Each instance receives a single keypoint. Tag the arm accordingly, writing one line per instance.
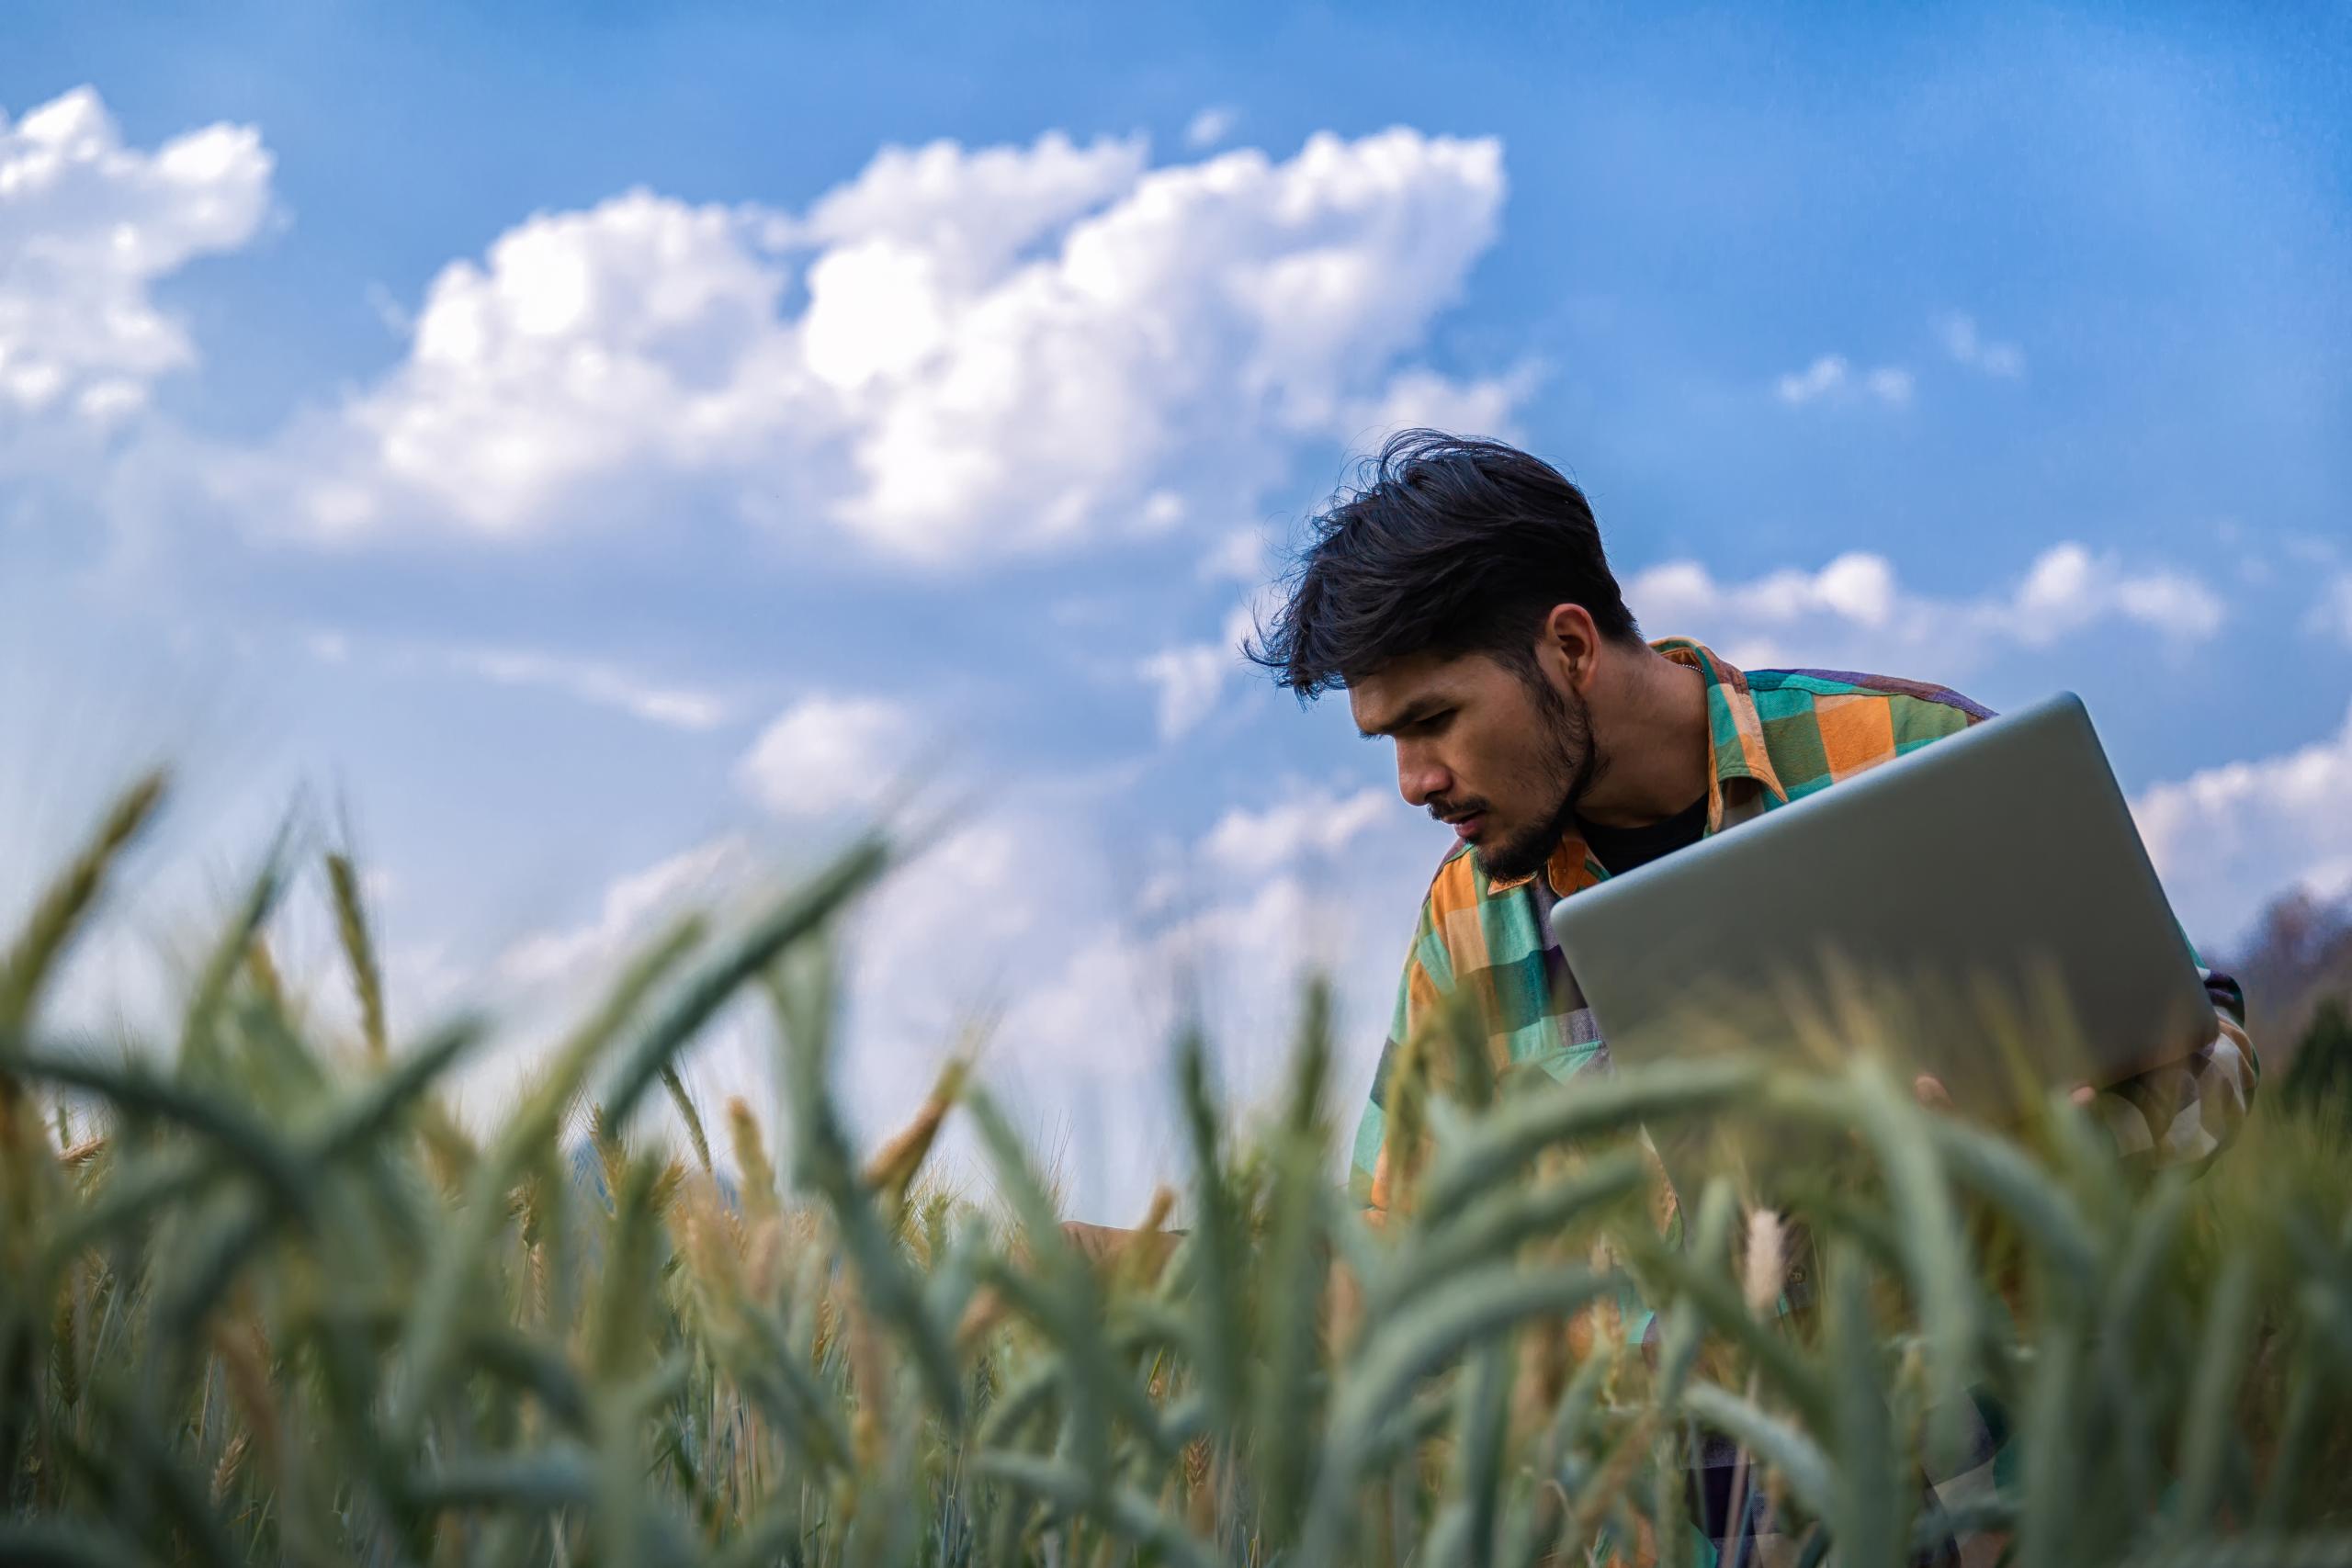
(1391, 1138)
(2186, 1111)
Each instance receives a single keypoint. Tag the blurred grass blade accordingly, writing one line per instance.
(792, 918)
(1778, 1444)
(359, 954)
(58, 911)
(1867, 1521)
(1583, 1107)
(2209, 1427)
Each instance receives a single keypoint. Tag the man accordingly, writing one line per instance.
(1463, 599)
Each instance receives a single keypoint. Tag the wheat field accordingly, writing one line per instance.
(263, 1298)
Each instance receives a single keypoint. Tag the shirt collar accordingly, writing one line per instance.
(1737, 757)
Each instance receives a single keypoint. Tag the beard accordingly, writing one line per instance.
(1565, 762)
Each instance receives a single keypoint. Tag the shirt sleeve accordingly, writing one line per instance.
(1428, 978)
(2185, 1112)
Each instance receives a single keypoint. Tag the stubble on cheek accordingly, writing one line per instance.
(1550, 780)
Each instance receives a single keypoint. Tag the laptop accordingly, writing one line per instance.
(1982, 908)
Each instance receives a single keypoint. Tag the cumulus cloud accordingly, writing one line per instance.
(827, 754)
(1421, 398)
(1967, 347)
(1833, 378)
(87, 226)
(1312, 822)
(2069, 588)
(1856, 609)
(1856, 587)
(959, 354)
(2226, 839)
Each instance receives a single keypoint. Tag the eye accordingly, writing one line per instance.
(1435, 722)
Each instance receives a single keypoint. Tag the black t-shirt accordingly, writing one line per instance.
(1620, 850)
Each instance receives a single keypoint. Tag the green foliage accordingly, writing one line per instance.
(2318, 1082)
(262, 1298)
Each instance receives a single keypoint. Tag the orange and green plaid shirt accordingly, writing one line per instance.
(1774, 736)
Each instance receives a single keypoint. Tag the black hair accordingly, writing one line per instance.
(1446, 546)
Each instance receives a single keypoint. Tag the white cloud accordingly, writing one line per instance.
(1310, 823)
(626, 916)
(1088, 956)
(1210, 126)
(585, 680)
(960, 354)
(825, 754)
(1239, 556)
(1833, 377)
(1966, 347)
(1126, 985)
(1824, 375)
(590, 680)
(968, 213)
(1855, 609)
(1190, 680)
(2312, 550)
(1420, 398)
(1858, 587)
(2227, 839)
(2332, 616)
(1889, 384)
(2069, 588)
(86, 228)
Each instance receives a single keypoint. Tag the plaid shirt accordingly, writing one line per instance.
(1773, 736)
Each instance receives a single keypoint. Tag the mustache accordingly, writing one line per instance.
(1440, 811)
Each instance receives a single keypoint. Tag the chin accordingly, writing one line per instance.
(1504, 861)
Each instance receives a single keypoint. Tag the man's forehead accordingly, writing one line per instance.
(1387, 697)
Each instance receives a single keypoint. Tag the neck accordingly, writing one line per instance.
(1652, 728)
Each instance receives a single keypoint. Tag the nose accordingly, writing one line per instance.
(1421, 776)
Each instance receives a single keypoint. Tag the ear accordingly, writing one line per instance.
(1570, 645)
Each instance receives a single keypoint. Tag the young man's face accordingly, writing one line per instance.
(1502, 756)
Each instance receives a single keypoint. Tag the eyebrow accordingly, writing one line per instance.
(1415, 711)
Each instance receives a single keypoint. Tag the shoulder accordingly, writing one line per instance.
(1461, 900)
(1455, 884)
(1819, 726)
(1917, 709)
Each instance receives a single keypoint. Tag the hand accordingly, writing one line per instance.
(1105, 1245)
(1933, 1094)
(1094, 1242)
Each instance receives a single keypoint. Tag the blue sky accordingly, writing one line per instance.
(591, 449)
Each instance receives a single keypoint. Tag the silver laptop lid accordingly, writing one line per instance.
(1992, 884)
